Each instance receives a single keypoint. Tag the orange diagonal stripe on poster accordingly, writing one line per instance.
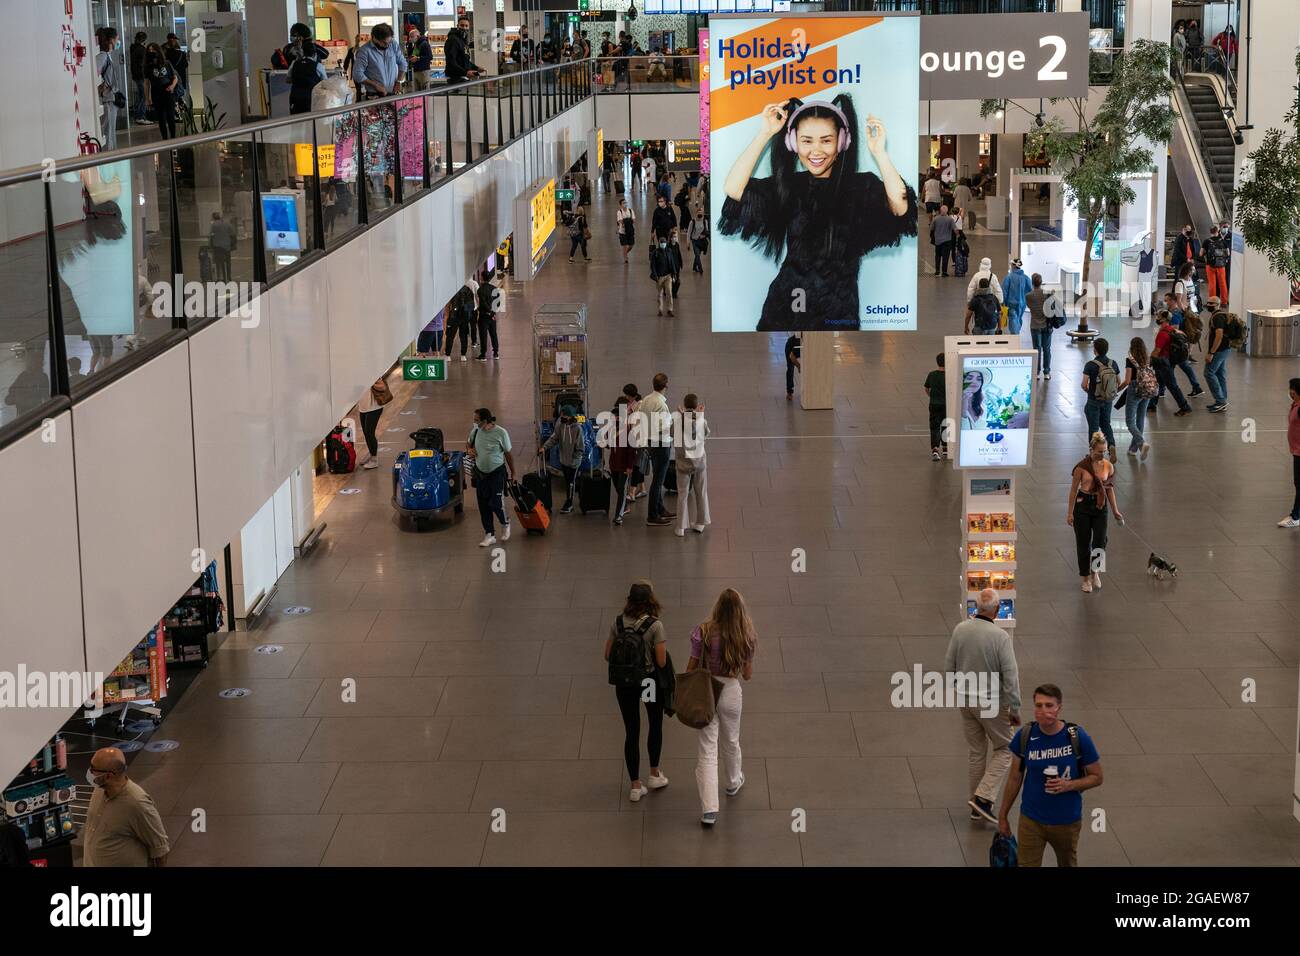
(729, 105)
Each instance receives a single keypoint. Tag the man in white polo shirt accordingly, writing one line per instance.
(659, 431)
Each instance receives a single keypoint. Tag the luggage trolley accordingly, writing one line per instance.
(560, 360)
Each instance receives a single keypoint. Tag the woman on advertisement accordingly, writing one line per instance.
(823, 219)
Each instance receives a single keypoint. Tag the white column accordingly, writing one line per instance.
(1153, 20)
(968, 154)
(267, 23)
(1270, 32)
(1011, 156)
(483, 23)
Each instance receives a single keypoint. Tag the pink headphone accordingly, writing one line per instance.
(791, 139)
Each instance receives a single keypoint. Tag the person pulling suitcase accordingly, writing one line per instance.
(569, 436)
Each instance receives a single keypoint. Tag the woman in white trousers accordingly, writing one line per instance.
(692, 489)
(725, 644)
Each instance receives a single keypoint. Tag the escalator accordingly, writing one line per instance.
(1203, 148)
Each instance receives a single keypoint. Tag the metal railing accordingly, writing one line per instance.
(112, 258)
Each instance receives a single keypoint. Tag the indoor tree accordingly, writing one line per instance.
(1267, 196)
(1096, 158)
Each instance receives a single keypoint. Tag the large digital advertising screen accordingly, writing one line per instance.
(996, 412)
(813, 122)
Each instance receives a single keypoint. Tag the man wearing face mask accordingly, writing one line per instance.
(456, 50)
(123, 827)
(662, 272)
(379, 65)
(523, 49)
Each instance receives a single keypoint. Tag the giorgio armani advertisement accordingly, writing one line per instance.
(812, 120)
(996, 393)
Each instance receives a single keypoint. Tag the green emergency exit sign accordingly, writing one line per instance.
(564, 195)
(424, 370)
(584, 4)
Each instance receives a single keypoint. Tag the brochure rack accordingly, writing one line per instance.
(989, 541)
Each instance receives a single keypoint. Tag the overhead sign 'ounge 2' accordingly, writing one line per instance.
(1004, 55)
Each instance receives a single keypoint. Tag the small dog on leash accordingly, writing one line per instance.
(1161, 568)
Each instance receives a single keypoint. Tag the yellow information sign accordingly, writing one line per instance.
(325, 154)
(543, 215)
(419, 453)
(600, 148)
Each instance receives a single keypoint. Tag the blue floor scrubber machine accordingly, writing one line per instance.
(427, 480)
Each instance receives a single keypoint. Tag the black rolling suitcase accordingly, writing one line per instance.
(593, 492)
(618, 186)
(538, 484)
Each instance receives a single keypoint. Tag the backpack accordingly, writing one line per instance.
(302, 72)
(1022, 750)
(1107, 385)
(1235, 332)
(987, 312)
(340, 455)
(1179, 349)
(627, 653)
(1216, 256)
(1145, 383)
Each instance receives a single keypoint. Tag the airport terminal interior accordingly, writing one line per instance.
(365, 686)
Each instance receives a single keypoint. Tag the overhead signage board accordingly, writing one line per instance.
(683, 155)
(1004, 56)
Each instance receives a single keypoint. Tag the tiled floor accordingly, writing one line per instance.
(483, 730)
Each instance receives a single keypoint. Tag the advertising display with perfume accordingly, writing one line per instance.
(996, 413)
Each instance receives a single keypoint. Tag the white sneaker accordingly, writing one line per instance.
(505, 531)
(464, 358)
(488, 541)
(1087, 585)
(371, 463)
(1288, 522)
(698, 528)
(680, 532)
(1146, 450)
(658, 783)
(1096, 580)
(637, 793)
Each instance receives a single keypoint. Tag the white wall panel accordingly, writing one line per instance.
(665, 116)
(474, 203)
(135, 503)
(40, 580)
(234, 433)
(393, 319)
(614, 116)
(300, 358)
(353, 362)
(444, 231)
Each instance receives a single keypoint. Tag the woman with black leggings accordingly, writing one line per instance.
(1092, 487)
(640, 618)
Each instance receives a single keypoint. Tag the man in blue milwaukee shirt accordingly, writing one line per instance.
(379, 65)
(1056, 762)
